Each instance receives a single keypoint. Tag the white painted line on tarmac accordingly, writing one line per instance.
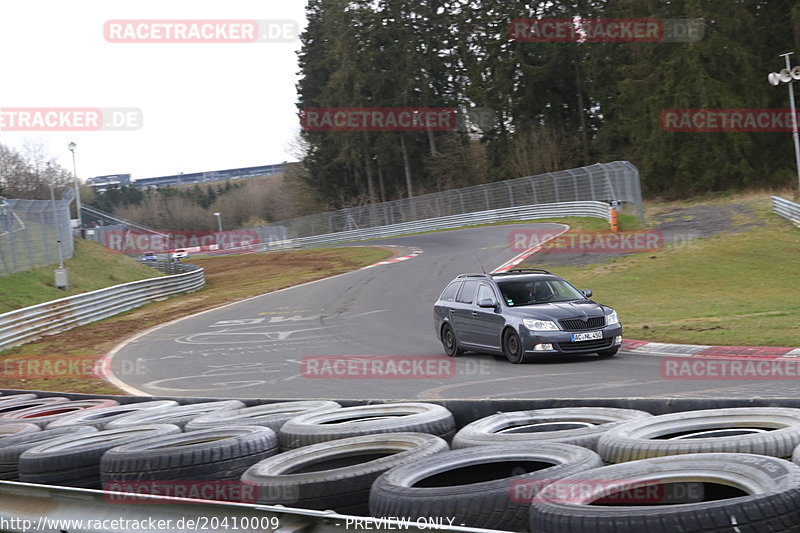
(529, 252)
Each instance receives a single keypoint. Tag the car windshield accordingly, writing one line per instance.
(539, 291)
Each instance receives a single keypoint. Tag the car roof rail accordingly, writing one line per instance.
(515, 271)
(473, 276)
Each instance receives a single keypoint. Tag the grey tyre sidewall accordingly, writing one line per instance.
(770, 474)
(42, 421)
(273, 415)
(337, 485)
(95, 417)
(174, 451)
(484, 431)
(500, 503)
(418, 417)
(639, 439)
(178, 416)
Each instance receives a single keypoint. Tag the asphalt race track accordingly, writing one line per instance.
(273, 346)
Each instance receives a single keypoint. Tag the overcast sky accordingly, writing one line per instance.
(205, 106)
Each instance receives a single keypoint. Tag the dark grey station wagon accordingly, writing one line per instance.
(523, 313)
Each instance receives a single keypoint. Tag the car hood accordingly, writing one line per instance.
(560, 310)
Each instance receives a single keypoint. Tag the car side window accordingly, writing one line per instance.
(468, 292)
(450, 292)
(485, 292)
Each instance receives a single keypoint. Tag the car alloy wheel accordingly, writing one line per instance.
(512, 346)
(449, 342)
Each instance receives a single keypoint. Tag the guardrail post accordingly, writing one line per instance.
(613, 216)
(555, 189)
(533, 189)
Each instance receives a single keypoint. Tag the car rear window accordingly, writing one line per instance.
(450, 292)
(468, 292)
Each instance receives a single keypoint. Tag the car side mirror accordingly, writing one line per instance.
(487, 303)
(587, 293)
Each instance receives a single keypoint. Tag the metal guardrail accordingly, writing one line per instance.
(26, 507)
(30, 323)
(528, 212)
(617, 181)
(786, 209)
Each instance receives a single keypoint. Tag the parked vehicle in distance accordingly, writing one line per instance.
(148, 257)
(523, 313)
(178, 254)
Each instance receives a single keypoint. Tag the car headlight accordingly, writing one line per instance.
(534, 324)
(612, 319)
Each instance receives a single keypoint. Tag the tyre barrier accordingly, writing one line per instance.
(773, 431)
(485, 487)
(17, 405)
(177, 416)
(337, 474)
(11, 448)
(75, 461)
(215, 454)
(414, 417)
(271, 415)
(692, 493)
(7, 430)
(99, 417)
(8, 399)
(41, 415)
(581, 426)
(710, 470)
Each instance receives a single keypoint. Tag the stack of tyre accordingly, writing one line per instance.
(575, 469)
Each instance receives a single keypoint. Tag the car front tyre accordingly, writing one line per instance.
(449, 342)
(512, 347)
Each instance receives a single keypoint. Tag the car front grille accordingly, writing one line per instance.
(586, 346)
(577, 324)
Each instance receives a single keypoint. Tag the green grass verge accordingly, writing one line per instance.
(731, 289)
(625, 222)
(92, 267)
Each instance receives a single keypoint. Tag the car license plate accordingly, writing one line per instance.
(588, 336)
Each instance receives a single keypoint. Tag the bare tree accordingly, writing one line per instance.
(30, 173)
(168, 213)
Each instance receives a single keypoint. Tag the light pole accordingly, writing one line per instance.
(788, 76)
(71, 147)
(53, 212)
(219, 225)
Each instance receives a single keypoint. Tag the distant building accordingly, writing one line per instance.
(102, 183)
(214, 175)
